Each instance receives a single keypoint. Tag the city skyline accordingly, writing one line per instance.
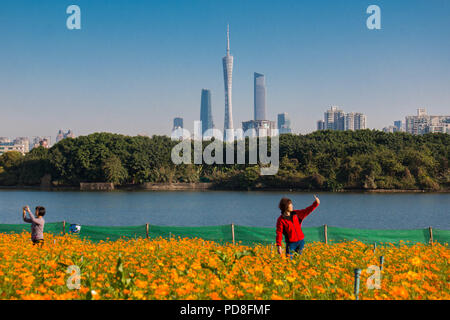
(128, 70)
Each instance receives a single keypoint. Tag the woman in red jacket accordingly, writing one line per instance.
(289, 224)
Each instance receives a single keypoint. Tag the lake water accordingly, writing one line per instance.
(206, 208)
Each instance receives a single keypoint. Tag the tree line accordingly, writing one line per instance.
(323, 160)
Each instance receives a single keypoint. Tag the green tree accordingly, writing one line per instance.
(114, 171)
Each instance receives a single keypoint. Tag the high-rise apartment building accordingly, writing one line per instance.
(228, 77)
(360, 121)
(336, 119)
(205, 111)
(349, 121)
(424, 123)
(259, 97)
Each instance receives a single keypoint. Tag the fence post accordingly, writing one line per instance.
(146, 230)
(357, 275)
(232, 232)
(64, 227)
(381, 263)
(325, 231)
(431, 234)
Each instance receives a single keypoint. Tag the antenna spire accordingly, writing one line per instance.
(228, 39)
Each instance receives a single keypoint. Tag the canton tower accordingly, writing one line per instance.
(227, 76)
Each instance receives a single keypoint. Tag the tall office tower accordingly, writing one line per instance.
(360, 121)
(227, 76)
(260, 96)
(321, 125)
(205, 111)
(284, 123)
(398, 125)
(177, 123)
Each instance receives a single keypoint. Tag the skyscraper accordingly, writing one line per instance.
(227, 76)
(205, 111)
(177, 123)
(284, 123)
(260, 96)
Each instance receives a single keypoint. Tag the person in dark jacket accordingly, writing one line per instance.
(289, 224)
(37, 224)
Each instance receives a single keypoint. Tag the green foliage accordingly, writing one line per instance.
(323, 160)
(114, 171)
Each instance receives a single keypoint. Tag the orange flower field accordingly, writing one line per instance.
(198, 269)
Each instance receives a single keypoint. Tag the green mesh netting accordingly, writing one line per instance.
(52, 227)
(253, 235)
(242, 234)
(97, 233)
(219, 234)
(378, 236)
(441, 236)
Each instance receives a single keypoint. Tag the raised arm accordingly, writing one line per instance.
(24, 215)
(33, 218)
(302, 214)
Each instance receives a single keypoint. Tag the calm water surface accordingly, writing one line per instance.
(204, 208)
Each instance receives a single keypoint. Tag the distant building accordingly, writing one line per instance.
(61, 135)
(259, 95)
(321, 125)
(284, 123)
(25, 141)
(423, 123)
(257, 125)
(177, 123)
(349, 121)
(337, 119)
(11, 146)
(177, 130)
(399, 125)
(4, 140)
(360, 121)
(227, 63)
(205, 111)
(41, 142)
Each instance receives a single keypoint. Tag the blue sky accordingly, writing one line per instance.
(137, 64)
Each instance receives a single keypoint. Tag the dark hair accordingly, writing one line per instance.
(41, 211)
(284, 204)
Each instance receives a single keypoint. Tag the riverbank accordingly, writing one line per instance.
(202, 186)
